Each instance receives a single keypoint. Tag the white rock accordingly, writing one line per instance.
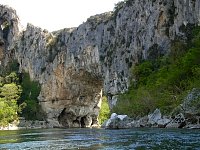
(121, 117)
(154, 117)
(163, 122)
(108, 123)
(113, 116)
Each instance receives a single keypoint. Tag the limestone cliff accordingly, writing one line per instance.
(9, 30)
(74, 65)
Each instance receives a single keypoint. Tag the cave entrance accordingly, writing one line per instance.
(83, 125)
(68, 120)
(63, 118)
(83, 108)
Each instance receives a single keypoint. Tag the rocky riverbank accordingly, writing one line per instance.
(73, 65)
(27, 124)
(153, 120)
(22, 123)
(187, 115)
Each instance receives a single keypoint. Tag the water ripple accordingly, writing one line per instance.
(86, 139)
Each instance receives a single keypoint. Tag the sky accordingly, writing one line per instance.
(57, 14)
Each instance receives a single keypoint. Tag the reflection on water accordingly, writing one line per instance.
(100, 139)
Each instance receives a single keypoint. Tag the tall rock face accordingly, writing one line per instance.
(74, 65)
(9, 30)
(69, 73)
(142, 30)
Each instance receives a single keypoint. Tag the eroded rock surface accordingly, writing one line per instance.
(74, 65)
(9, 30)
(69, 74)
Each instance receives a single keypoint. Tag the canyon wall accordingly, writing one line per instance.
(74, 65)
(9, 31)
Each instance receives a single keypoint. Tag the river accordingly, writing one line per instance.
(92, 139)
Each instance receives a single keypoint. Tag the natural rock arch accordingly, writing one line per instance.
(76, 100)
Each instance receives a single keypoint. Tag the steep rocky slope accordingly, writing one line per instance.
(74, 65)
(9, 30)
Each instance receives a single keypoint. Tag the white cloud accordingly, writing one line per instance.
(57, 14)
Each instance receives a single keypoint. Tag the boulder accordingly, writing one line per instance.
(133, 124)
(163, 122)
(177, 122)
(142, 122)
(117, 122)
(113, 116)
(122, 117)
(154, 117)
(173, 125)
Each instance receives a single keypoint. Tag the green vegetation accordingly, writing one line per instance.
(104, 113)
(9, 94)
(163, 82)
(31, 90)
(18, 96)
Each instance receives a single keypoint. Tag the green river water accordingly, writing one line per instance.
(92, 139)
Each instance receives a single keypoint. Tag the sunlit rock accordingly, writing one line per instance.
(74, 65)
(154, 117)
(117, 122)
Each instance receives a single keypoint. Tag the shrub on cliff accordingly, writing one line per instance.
(31, 90)
(104, 113)
(26, 102)
(163, 82)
